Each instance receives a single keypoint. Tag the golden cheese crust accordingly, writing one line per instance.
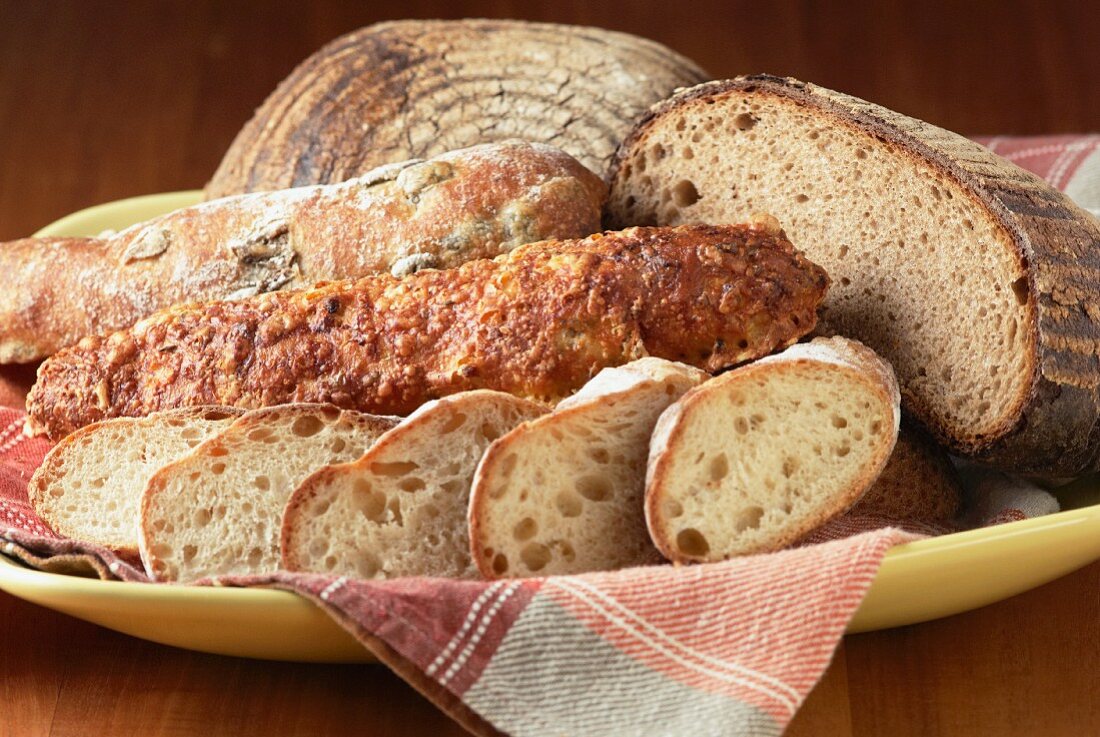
(537, 322)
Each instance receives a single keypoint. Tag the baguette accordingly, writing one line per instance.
(414, 88)
(755, 459)
(564, 493)
(463, 205)
(974, 278)
(400, 510)
(537, 322)
(89, 485)
(218, 510)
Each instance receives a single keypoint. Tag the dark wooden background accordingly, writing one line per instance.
(101, 100)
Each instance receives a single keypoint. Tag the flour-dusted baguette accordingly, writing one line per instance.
(975, 279)
(538, 322)
(89, 486)
(462, 205)
(218, 510)
(564, 493)
(400, 510)
(416, 88)
(752, 460)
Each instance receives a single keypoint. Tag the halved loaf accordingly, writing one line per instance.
(218, 510)
(400, 510)
(974, 278)
(89, 486)
(754, 459)
(563, 493)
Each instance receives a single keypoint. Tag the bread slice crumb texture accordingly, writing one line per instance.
(564, 494)
(752, 460)
(89, 486)
(400, 510)
(218, 511)
(921, 270)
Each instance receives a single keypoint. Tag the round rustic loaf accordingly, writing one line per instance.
(414, 89)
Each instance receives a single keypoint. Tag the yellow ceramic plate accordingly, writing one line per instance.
(917, 582)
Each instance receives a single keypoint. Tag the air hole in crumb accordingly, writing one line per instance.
(684, 193)
(189, 553)
(411, 484)
(744, 121)
(719, 467)
(254, 557)
(489, 431)
(790, 466)
(535, 556)
(741, 425)
(599, 455)
(500, 564)
(839, 422)
(525, 529)
(568, 504)
(876, 427)
(259, 434)
(673, 508)
(371, 503)
(1019, 288)
(691, 542)
(843, 450)
(456, 421)
(508, 465)
(801, 198)
(217, 469)
(216, 451)
(306, 427)
(263, 483)
(594, 488)
(566, 550)
(201, 517)
(338, 445)
(749, 519)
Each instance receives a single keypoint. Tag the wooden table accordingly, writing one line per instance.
(101, 100)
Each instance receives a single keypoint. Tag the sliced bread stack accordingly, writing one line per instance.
(400, 510)
(218, 510)
(563, 494)
(974, 278)
(89, 486)
(753, 460)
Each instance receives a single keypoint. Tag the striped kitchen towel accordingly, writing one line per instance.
(720, 649)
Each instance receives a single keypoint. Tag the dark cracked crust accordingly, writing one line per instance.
(1054, 426)
(413, 88)
(538, 322)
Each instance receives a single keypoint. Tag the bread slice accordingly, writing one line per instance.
(218, 510)
(563, 494)
(919, 482)
(753, 460)
(400, 510)
(974, 278)
(89, 485)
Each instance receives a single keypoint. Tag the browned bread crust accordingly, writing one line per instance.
(1052, 422)
(463, 205)
(919, 482)
(537, 322)
(415, 88)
